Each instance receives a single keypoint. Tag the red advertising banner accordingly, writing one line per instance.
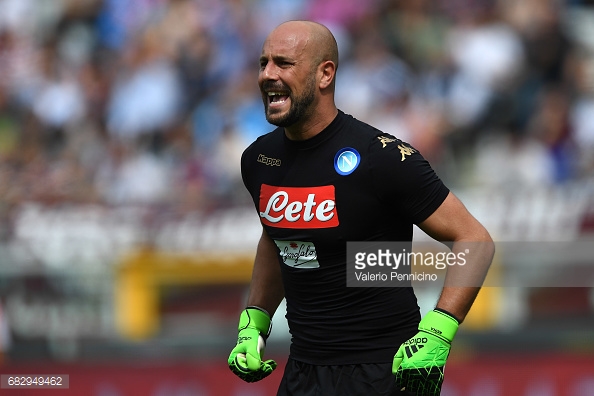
(515, 375)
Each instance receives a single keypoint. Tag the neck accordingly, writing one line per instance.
(312, 125)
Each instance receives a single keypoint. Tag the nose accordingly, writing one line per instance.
(268, 72)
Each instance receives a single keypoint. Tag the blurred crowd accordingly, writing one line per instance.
(151, 102)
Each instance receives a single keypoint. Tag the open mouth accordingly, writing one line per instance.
(277, 98)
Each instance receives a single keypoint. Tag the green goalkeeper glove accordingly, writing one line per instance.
(420, 362)
(245, 359)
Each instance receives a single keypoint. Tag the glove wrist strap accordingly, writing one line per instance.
(448, 314)
(439, 323)
(255, 318)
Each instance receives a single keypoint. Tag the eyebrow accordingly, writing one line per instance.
(277, 58)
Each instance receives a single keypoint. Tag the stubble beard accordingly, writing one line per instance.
(299, 109)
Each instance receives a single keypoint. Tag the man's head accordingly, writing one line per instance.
(297, 69)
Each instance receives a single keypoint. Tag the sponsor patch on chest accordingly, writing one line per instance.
(298, 254)
(298, 207)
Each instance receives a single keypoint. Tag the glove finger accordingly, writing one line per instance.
(259, 375)
(268, 366)
(397, 360)
(239, 349)
(434, 381)
(254, 376)
(423, 381)
(253, 362)
(403, 379)
(241, 362)
(241, 372)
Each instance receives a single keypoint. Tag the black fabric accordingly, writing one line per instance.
(392, 188)
(302, 379)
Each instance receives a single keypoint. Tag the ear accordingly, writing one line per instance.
(328, 72)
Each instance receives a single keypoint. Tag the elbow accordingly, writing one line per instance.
(490, 249)
(488, 245)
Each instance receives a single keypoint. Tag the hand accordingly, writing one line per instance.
(245, 359)
(420, 361)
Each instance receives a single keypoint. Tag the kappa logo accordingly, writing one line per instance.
(404, 150)
(385, 140)
(268, 161)
(346, 161)
(298, 207)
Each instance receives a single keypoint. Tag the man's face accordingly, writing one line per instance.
(287, 78)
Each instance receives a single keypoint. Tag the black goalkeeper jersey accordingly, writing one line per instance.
(351, 182)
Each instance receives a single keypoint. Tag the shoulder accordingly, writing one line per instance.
(360, 128)
(260, 150)
(365, 129)
(269, 140)
(390, 157)
(385, 152)
(389, 147)
(381, 144)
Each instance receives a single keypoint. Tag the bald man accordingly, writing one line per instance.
(322, 179)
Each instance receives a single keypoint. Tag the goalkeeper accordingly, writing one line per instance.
(323, 178)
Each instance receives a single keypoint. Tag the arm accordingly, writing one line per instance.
(452, 222)
(266, 288)
(419, 363)
(266, 293)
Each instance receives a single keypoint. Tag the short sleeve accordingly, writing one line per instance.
(404, 179)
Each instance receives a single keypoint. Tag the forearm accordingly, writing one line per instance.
(457, 300)
(266, 292)
(420, 361)
(266, 288)
(463, 282)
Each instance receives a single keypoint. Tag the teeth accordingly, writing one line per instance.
(274, 93)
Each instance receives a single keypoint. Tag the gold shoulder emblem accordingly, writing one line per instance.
(385, 140)
(404, 150)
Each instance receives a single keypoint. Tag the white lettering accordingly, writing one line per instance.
(309, 204)
(347, 160)
(274, 199)
(384, 255)
(292, 211)
(371, 277)
(359, 263)
(397, 258)
(326, 206)
(279, 202)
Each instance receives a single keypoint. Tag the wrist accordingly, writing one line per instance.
(441, 324)
(255, 318)
(449, 314)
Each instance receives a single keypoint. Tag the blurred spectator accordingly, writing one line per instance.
(152, 101)
(120, 20)
(487, 55)
(550, 125)
(146, 97)
(417, 32)
(20, 63)
(60, 100)
(5, 336)
(507, 161)
(347, 13)
(134, 176)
